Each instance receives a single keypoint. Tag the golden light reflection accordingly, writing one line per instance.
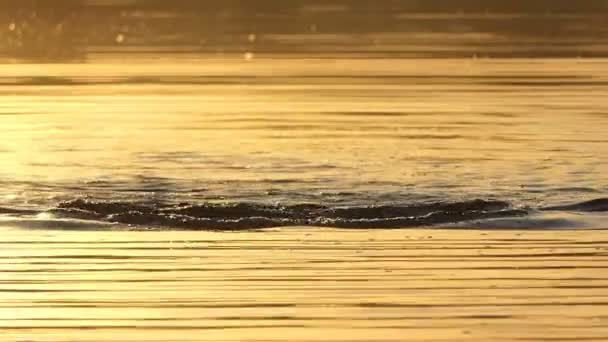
(88, 130)
(122, 121)
(435, 285)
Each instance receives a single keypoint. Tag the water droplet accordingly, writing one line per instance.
(252, 38)
(12, 26)
(248, 56)
(120, 38)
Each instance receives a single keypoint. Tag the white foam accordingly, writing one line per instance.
(44, 221)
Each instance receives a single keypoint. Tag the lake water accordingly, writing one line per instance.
(237, 143)
(92, 152)
(303, 285)
(345, 171)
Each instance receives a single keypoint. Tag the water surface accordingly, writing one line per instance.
(270, 131)
(303, 285)
(273, 136)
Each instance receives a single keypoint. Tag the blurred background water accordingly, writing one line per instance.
(76, 30)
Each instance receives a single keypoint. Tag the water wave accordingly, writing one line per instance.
(252, 215)
(596, 205)
(477, 213)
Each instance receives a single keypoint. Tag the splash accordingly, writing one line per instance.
(251, 215)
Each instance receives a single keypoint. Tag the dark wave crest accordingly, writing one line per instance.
(596, 205)
(250, 215)
(244, 215)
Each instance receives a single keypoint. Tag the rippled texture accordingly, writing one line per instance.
(303, 285)
(256, 125)
(344, 134)
(343, 106)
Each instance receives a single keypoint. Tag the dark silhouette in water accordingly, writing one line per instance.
(596, 205)
(250, 215)
(243, 215)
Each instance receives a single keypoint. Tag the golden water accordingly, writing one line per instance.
(303, 285)
(171, 104)
(344, 131)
